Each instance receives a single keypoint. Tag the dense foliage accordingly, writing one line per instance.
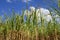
(16, 27)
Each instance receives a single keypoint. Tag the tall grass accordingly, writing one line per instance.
(15, 28)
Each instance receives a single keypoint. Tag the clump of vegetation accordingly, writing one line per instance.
(17, 27)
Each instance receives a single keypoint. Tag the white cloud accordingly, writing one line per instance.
(26, 1)
(9, 1)
(48, 18)
(57, 20)
(44, 13)
(32, 9)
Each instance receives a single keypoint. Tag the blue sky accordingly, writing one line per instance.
(6, 6)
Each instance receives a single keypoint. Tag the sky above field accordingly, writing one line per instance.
(6, 6)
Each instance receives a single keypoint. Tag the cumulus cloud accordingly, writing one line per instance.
(42, 12)
(48, 18)
(58, 20)
(26, 1)
(32, 9)
(9, 1)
